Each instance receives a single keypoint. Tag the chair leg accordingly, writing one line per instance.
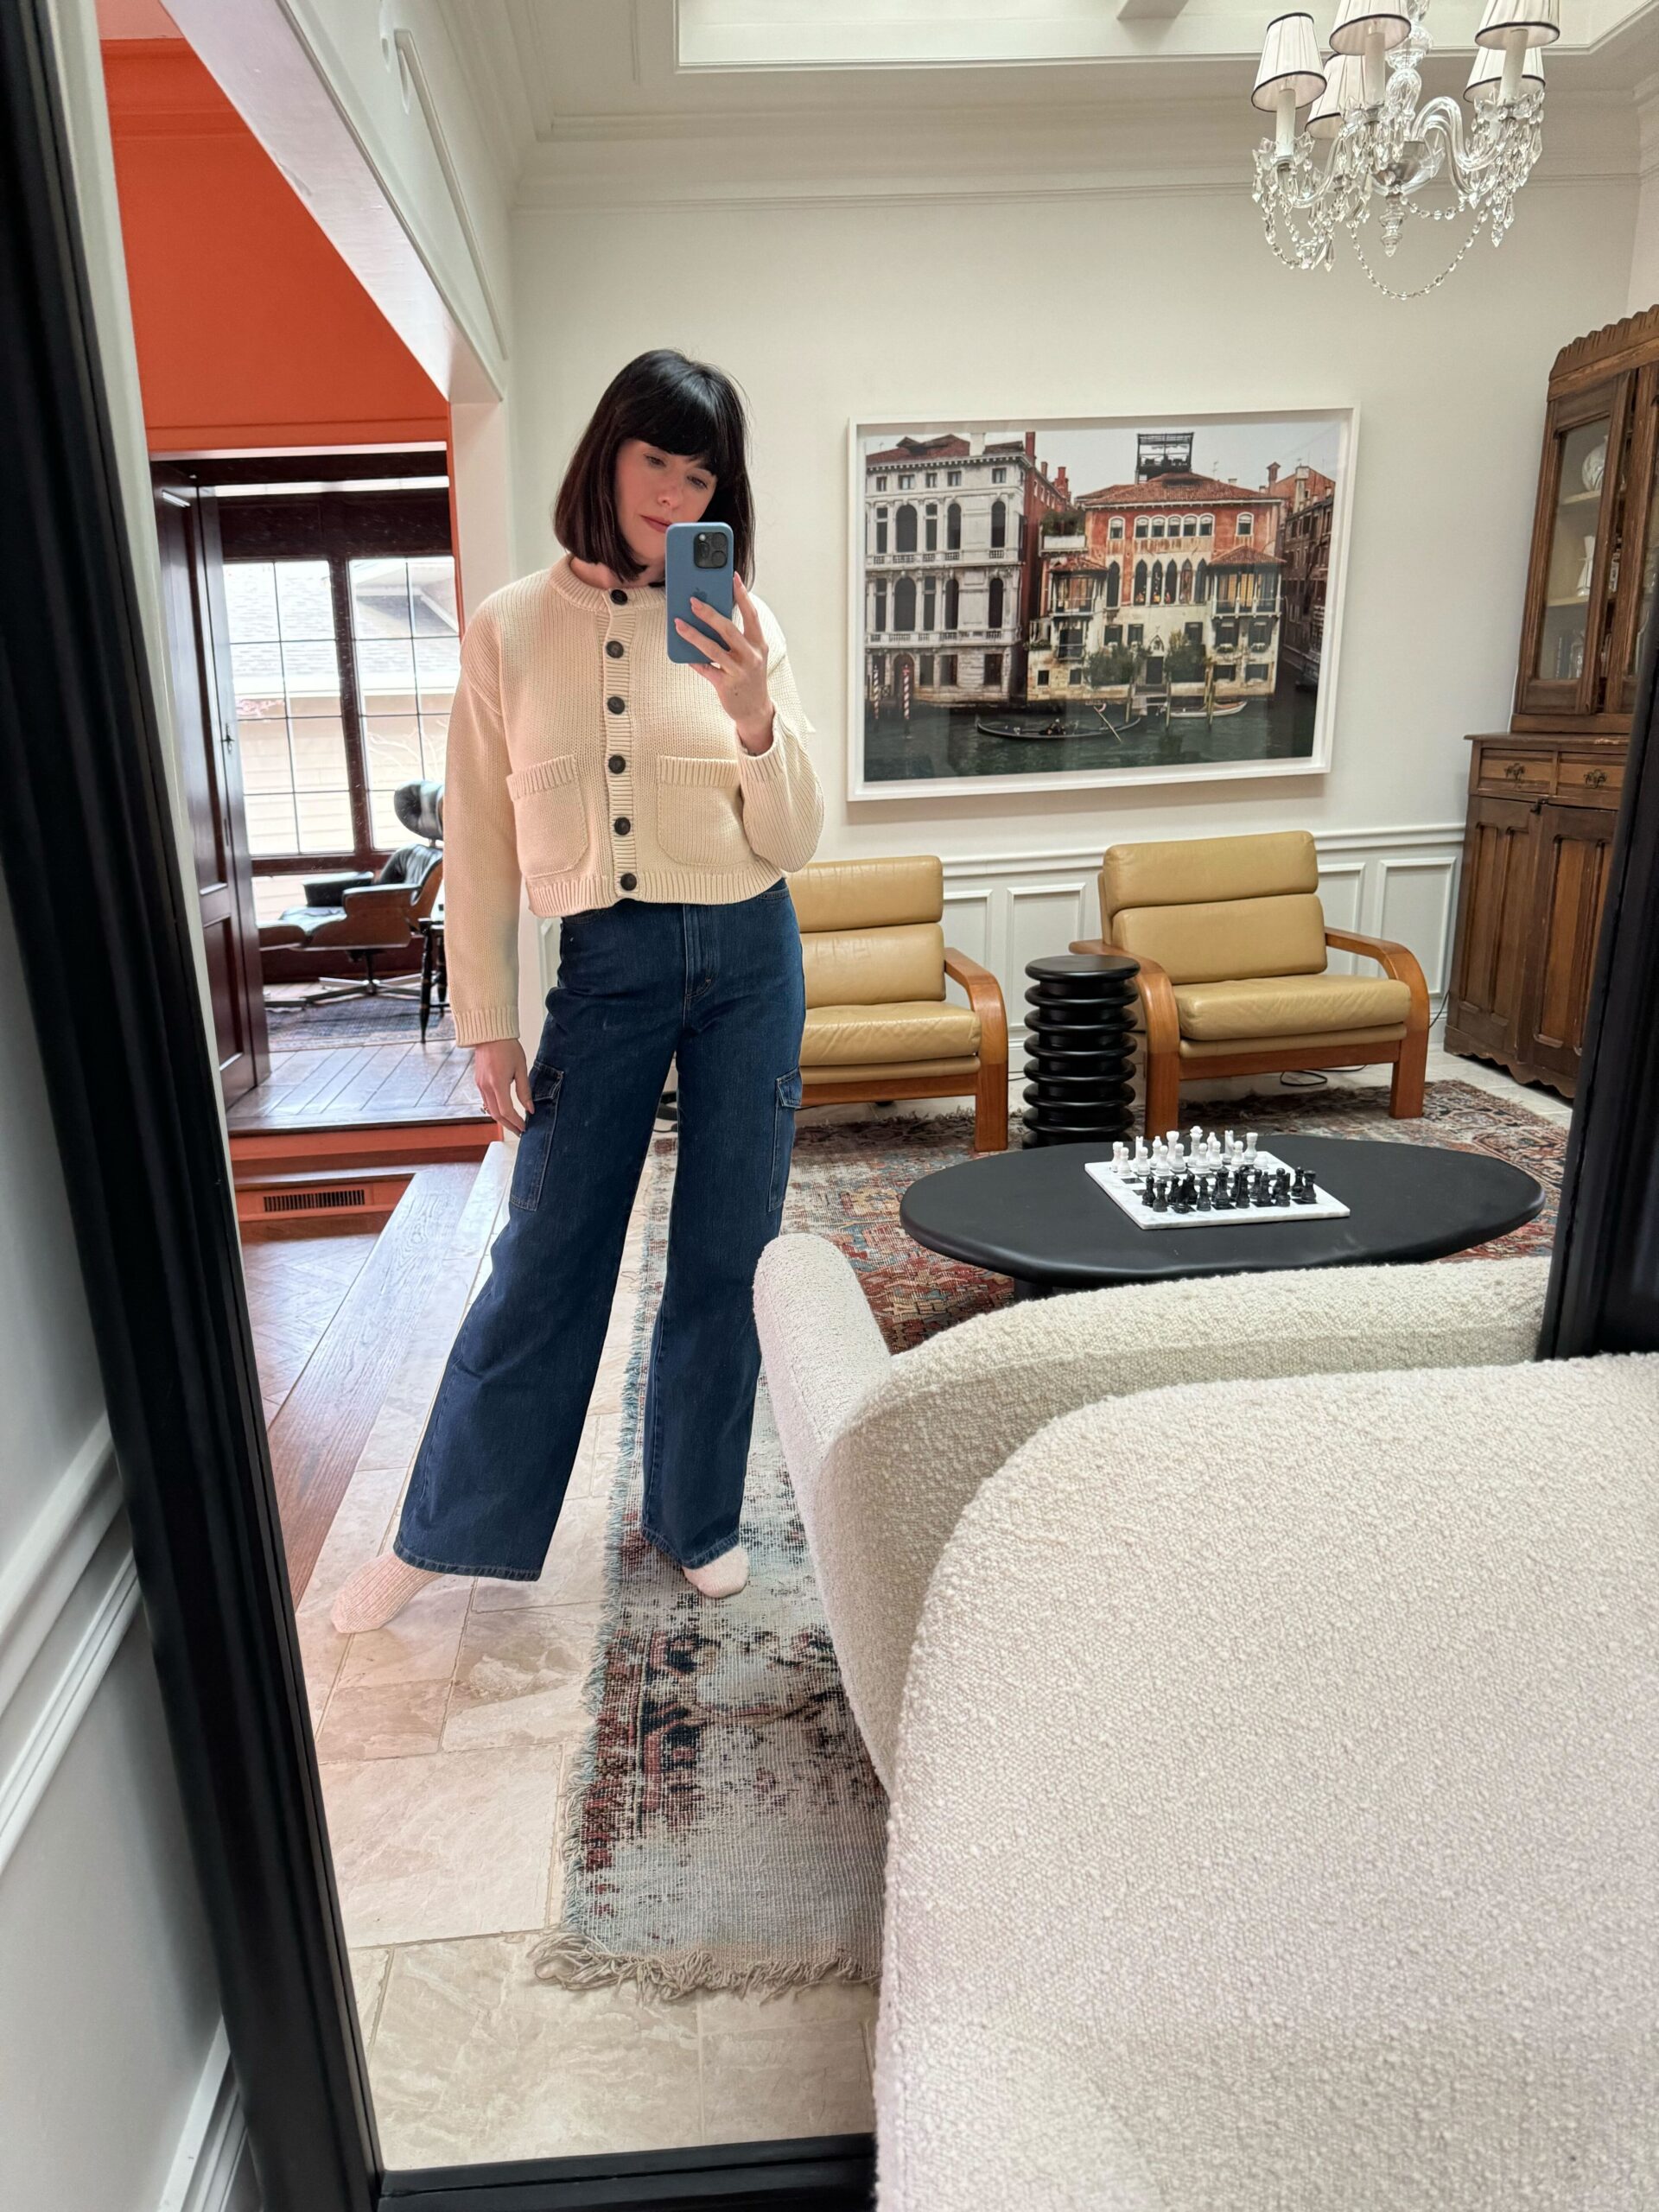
(991, 1106)
(1163, 1104)
(1406, 1091)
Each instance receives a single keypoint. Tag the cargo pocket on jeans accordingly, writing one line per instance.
(529, 1168)
(782, 1136)
(550, 817)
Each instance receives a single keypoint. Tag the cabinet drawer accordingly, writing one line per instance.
(1589, 777)
(1517, 771)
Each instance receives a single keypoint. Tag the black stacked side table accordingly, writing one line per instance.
(1079, 1048)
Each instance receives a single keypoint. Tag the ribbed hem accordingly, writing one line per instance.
(484, 1024)
(551, 896)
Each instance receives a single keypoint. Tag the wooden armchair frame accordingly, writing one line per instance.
(990, 1086)
(1164, 1067)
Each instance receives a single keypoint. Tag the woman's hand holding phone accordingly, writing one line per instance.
(498, 1068)
(737, 665)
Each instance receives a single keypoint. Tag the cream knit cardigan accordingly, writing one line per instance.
(580, 755)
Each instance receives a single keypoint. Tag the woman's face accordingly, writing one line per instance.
(653, 489)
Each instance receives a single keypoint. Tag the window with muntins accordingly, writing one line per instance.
(344, 651)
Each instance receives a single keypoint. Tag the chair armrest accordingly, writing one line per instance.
(822, 1350)
(985, 997)
(1396, 960)
(1153, 990)
(328, 890)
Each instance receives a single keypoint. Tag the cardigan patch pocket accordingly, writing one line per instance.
(699, 811)
(549, 819)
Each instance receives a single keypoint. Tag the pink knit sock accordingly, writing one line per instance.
(377, 1593)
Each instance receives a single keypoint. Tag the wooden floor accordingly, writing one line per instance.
(333, 1318)
(340, 1086)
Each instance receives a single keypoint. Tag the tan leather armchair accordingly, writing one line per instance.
(878, 1023)
(1233, 947)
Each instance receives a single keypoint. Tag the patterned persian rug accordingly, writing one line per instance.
(293, 1027)
(724, 1827)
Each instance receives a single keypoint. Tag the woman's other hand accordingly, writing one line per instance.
(498, 1068)
(737, 665)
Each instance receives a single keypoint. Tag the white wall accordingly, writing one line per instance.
(113, 2091)
(883, 283)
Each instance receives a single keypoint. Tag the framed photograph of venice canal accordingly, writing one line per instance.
(1044, 604)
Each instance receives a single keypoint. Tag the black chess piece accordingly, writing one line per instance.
(1302, 1190)
(1184, 1197)
(1158, 1194)
(1241, 1186)
(1259, 1187)
(1282, 1187)
(1222, 1200)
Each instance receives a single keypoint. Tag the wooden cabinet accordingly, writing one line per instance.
(1542, 817)
(1543, 798)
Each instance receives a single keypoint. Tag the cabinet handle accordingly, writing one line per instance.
(1517, 771)
(1596, 779)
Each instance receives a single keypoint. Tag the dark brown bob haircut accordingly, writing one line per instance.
(681, 407)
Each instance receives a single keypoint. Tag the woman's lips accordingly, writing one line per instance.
(654, 524)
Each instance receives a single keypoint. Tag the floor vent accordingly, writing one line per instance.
(353, 1197)
(318, 1205)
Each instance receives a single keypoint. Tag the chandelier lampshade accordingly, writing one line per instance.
(1374, 22)
(1344, 90)
(1290, 63)
(1486, 78)
(1539, 20)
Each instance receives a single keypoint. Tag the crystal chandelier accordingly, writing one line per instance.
(1366, 147)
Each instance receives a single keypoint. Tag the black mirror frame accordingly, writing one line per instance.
(1603, 1286)
(100, 913)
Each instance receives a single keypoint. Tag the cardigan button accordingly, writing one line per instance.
(621, 825)
(627, 882)
(618, 599)
(616, 764)
(614, 647)
(615, 705)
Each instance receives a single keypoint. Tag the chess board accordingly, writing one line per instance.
(1130, 1192)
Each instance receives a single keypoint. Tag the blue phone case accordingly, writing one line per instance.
(683, 582)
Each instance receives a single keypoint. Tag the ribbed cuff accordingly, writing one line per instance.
(484, 1024)
(767, 766)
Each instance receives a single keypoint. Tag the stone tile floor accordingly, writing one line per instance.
(443, 1739)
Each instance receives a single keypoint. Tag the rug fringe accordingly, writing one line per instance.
(574, 1961)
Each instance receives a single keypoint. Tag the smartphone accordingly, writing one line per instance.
(699, 566)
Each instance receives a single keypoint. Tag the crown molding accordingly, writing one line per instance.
(1146, 148)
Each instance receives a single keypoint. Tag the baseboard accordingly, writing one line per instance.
(213, 2170)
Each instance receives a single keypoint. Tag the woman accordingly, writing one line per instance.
(654, 808)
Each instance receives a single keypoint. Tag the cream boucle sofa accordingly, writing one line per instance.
(884, 1451)
(1275, 1825)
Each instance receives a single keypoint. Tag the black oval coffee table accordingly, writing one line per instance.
(1036, 1215)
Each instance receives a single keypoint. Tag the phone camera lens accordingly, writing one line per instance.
(709, 550)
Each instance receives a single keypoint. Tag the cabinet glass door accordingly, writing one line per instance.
(1569, 591)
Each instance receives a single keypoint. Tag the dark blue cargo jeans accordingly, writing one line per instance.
(719, 990)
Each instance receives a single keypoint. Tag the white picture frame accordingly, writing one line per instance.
(942, 725)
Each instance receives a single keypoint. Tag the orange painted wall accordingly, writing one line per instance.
(251, 331)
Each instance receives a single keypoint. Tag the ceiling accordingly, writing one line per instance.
(589, 101)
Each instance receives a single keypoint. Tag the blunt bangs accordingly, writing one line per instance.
(681, 407)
